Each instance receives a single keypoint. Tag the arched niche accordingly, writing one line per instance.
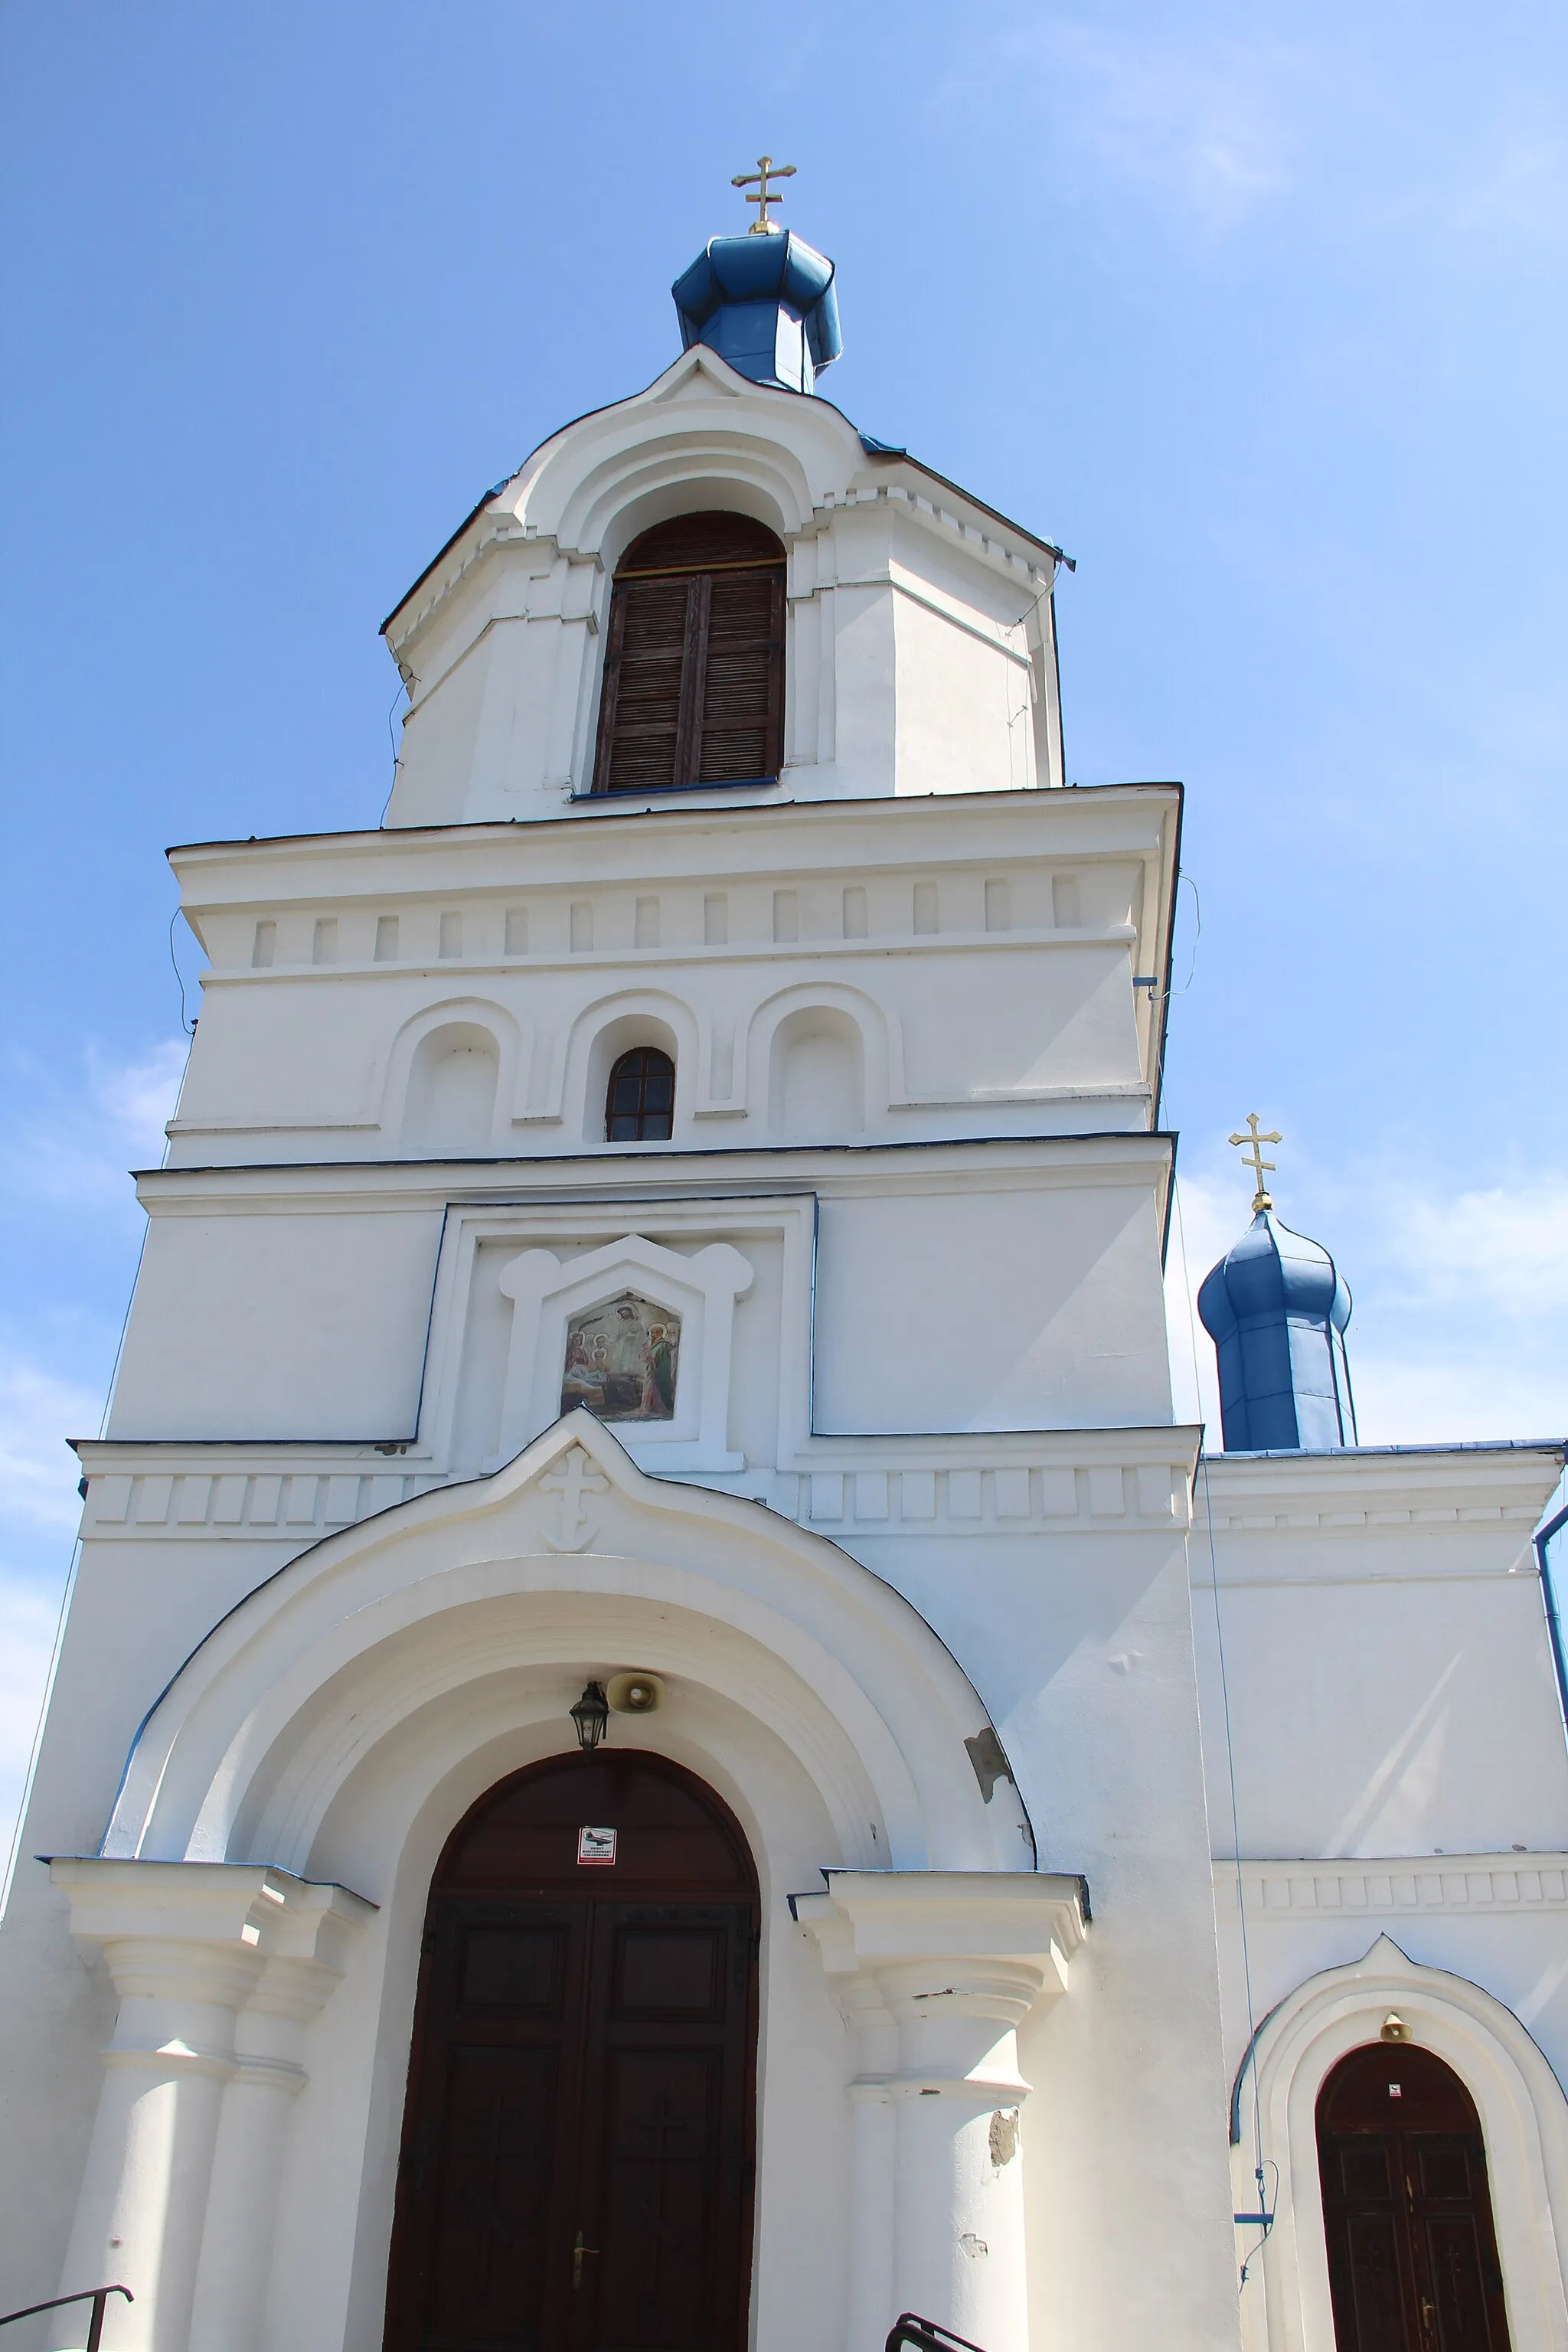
(817, 1076)
(819, 1051)
(453, 1080)
(450, 1077)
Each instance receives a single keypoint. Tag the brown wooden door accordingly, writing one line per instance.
(1412, 2251)
(577, 2154)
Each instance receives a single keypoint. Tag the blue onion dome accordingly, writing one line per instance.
(766, 303)
(1276, 1307)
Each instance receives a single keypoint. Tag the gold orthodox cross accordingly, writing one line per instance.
(766, 170)
(1254, 1158)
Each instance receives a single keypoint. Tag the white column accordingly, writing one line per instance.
(253, 2131)
(174, 2161)
(950, 1963)
(143, 2203)
(959, 2243)
(872, 2160)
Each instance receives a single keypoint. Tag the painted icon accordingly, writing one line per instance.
(621, 1361)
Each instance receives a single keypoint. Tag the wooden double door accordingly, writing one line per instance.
(576, 2167)
(1412, 2261)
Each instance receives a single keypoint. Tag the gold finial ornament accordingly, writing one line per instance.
(766, 170)
(1253, 1158)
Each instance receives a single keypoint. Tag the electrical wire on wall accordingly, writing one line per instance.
(187, 1022)
(396, 755)
(1262, 2166)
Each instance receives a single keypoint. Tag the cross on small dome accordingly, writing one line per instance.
(766, 170)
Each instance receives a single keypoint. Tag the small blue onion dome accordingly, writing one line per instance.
(766, 303)
(1276, 1307)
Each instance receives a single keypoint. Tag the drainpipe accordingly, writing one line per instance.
(1549, 1597)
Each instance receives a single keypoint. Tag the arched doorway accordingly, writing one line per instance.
(577, 2151)
(1413, 2261)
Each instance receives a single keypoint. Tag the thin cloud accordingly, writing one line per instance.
(38, 1472)
(1511, 1244)
(1214, 123)
(1206, 123)
(72, 1141)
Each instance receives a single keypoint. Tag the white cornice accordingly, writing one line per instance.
(961, 1485)
(677, 842)
(1371, 1487)
(1130, 1157)
(1285, 1893)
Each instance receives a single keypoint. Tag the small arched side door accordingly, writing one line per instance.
(1413, 2260)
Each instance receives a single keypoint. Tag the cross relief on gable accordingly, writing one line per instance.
(572, 1480)
(637, 1335)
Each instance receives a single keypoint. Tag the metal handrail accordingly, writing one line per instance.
(923, 2336)
(97, 2296)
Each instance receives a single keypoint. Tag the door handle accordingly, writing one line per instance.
(578, 2252)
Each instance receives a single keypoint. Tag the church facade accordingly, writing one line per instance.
(657, 1718)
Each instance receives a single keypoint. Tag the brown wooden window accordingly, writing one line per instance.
(694, 666)
(639, 1106)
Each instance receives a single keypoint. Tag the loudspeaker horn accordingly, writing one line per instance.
(635, 1693)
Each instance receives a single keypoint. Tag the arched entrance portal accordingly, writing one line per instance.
(577, 2149)
(1413, 2261)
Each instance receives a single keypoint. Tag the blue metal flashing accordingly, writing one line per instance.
(767, 304)
(1275, 1308)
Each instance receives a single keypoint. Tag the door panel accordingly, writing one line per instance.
(664, 1971)
(490, 2234)
(521, 1969)
(576, 2173)
(1454, 2272)
(662, 2198)
(1377, 2294)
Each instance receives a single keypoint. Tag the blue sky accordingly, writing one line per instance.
(1260, 311)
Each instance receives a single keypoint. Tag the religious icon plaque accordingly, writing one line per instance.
(621, 1360)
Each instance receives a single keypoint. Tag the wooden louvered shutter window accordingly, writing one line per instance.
(693, 689)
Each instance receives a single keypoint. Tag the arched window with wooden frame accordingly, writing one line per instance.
(693, 690)
(639, 1103)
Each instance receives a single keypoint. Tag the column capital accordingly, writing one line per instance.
(235, 1933)
(899, 1946)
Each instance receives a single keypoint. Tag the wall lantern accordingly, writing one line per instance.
(590, 1715)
